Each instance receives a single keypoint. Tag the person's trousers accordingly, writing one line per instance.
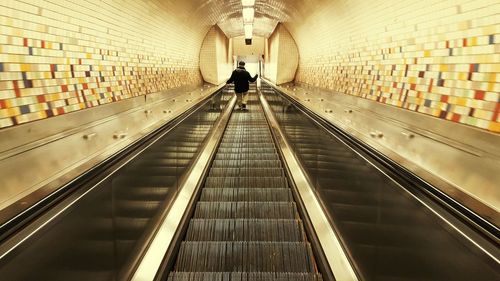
(241, 99)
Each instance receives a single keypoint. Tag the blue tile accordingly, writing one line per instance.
(25, 109)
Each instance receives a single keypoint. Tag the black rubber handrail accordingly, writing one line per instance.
(410, 181)
(92, 175)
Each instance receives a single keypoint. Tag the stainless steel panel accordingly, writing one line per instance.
(464, 162)
(162, 240)
(56, 159)
(328, 238)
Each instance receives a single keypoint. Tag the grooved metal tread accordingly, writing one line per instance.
(245, 256)
(243, 276)
(246, 225)
(289, 230)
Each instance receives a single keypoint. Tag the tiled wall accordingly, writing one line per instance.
(436, 57)
(216, 57)
(61, 56)
(282, 57)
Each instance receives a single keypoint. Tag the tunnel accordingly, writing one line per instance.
(249, 140)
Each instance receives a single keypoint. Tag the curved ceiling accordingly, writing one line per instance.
(227, 14)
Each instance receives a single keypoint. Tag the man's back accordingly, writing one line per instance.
(241, 79)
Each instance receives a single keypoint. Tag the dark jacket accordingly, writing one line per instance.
(241, 77)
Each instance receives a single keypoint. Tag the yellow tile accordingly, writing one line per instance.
(494, 126)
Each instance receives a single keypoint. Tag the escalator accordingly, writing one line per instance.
(246, 222)
(390, 231)
(246, 225)
(101, 228)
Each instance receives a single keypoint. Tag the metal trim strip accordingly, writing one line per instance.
(337, 258)
(163, 238)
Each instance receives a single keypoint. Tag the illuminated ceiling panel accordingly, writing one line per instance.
(228, 15)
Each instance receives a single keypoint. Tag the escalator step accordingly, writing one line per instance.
(247, 163)
(247, 194)
(245, 256)
(238, 156)
(236, 210)
(247, 150)
(246, 144)
(240, 182)
(246, 172)
(286, 230)
(243, 276)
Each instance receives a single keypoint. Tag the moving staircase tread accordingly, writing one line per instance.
(246, 172)
(246, 194)
(245, 256)
(261, 210)
(246, 182)
(290, 230)
(243, 276)
(246, 225)
(247, 163)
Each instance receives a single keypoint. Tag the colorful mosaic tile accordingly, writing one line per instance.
(438, 58)
(55, 60)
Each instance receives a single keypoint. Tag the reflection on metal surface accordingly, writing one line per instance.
(151, 261)
(100, 231)
(425, 145)
(329, 240)
(377, 218)
(97, 134)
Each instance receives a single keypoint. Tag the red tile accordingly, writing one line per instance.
(2, 104)
(465, 42)
(447, 44)
(41, 99)
(444, 98)
(16, 88)
(60, 110)
(25, 42)
(479, 95)
(64, 88)
(43, 44)
(496, 112)
(455, 117)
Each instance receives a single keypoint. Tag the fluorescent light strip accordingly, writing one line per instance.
(248, 31)
(248, 15)
(247, 2)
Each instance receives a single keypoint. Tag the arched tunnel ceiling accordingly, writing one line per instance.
(227, 14)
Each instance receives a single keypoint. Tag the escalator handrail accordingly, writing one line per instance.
(160, 251)
(19, 228)
(469, 224)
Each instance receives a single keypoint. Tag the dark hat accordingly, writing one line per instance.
(241, 63)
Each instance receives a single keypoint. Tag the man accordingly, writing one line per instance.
(240, 78)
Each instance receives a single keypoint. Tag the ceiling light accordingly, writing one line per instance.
(248, 2)
(248, 31)
(248, 15)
